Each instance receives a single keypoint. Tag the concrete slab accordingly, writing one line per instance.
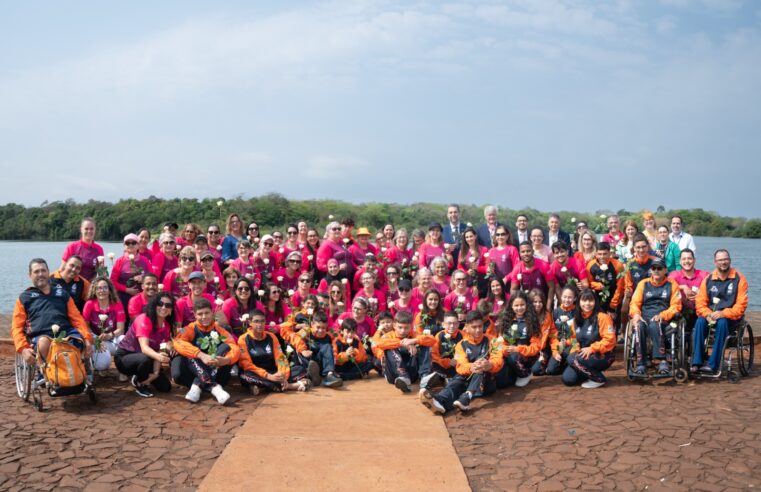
(366, 436)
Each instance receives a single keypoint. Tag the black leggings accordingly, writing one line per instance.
(140, 365)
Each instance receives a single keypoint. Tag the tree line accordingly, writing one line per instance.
(59, 221)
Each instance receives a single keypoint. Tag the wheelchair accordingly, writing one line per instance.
(675, 348)
(31, 379)
(739, 351)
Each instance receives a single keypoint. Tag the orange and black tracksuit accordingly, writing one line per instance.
(78, 288)
(260, 357)
(442, 353)
(549, 336)
(607, 282)
(350, 367)
(598, 333)
(563, 340)
(399, 362)
(637, 271)
(653, 298)
(518, 363)
(321, 347)
(35, 313)
(732, 296)
(188, 369)
(467, 384)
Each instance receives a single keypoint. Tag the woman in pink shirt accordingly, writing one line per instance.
(189, 234)
(265, 260)
(236, 310)
(462, 299)
(423, 283)
(398, 252)
(230, 277)
(288, 278)
(144, 237)
(541, 250)
(473, 259)
(302, 289)
(87, 249)
(375, 297)
(176, 281)
(338, 302)
(128, 270)
(165, 260)
(498, 295)
(392, 282)
(104, 314)
(334, 248)
(210, 273)
(388, 235)
(244, 263)
(434, 247)
(291, 243)
(441, 280)
(359, 313)
(275, 310)
(362, 246)
(504, 256)
(309, 254)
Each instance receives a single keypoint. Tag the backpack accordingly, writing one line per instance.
(64, 369)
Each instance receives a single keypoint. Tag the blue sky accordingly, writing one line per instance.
(553, 105)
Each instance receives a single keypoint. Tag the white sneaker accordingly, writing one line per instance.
(521, 382)
(589, 384)
(194, 395)
(220, 394)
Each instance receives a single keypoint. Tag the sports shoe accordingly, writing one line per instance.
(123, 378)
(589, 384)
(254, 390)
(705, 368)
(664, 368)
(463, 402)
(403, 384)
(434, 405)
(694, 369)
(194, 395)
(313, 371)
(640, 370)
(134, 382)
(234, 371)
(424, 395)
(521, 382)
(304, 385)
(332, 381)
(220, 394)
(436, 380)
(144, 391)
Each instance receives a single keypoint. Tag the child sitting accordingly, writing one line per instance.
(406, 357)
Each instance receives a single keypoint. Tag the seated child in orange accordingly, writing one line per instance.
(314, 346)
(406, 356)
(442, 353)
(349, 353)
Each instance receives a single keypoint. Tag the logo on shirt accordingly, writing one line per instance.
(714, 289)
(664, 294)
(729, 289)
(268, 349)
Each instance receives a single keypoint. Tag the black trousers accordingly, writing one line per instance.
(140, 365)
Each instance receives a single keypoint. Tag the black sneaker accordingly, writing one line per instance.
(436, 380)
(134, 382)
(403, 384)
(463, 402)
(144, 391)
(332, 381)
(313, 371)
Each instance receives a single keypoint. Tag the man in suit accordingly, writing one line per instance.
(554, 233)
(521, 232)
(452, 232)
(485, 232)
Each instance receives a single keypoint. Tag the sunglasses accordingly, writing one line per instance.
(292, 233)
(458, 279)
(188, 258)
(253, 228)
(294, 261)
(304, 280)
(130, 243)
(213, 232)
(269, 244)
(277, 236)
(500, 234)
(336, 292)
(206, 260)
(243, 289)
(657, 268)
(335, 228)
(167, 305)
(404, 289)
(391, 274)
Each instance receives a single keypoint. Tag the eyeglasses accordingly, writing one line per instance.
(304, 280)
(213, 232)
(391, 274)
(243, 289)
(500, 234)
(206, 260)
(335, 228)
(130, 243)
(188, 258)
(168, 242)
(253, 228)
(167, 305)
(292, 233)
(657, 268)
(459, 279)
(335, 292)
(269, 244)
(404, 289)
(295, 261)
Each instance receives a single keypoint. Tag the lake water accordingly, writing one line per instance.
(16, 256)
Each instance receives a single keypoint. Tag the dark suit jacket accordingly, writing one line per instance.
(562, 236)
(446, 233)
(514, 232)
(484, 237)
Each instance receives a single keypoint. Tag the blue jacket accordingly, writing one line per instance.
(484, 237)
(446, 233)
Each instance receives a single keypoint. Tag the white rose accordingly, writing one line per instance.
(161, 287)
(281, 250)
(604, 267)
(257, 239)
(244, 318)
(176, 270)
(486, 255)
(603, 216)
(716, 300)
(103, 318)
(131, 256)
(469, 224)
(330, 217)
(564, 269)
(279, 278)
(447, 336)
(301, 245)
(260, 293)
(500, 303)
(564, 319)
(310, 257)
(219, 203)
(250, 276)
(214, 335)
(426, 332)
(346, 240)
(266, 261)
(288, 350)
(178, 247)
(100, 259)
(519, 277)
(695, 289)
(472, 259)
(514, 327)
(216, 280)
(272, 323)
(290, 292)
(219, 247)
(383, 250)
(218, 301)
(162, 346)
(461, 299)
(310, 311)
(111, 256)
(373, 300)
(573, 220)
(415, 256)
(340, 304)
(344, 281)
(55, 329)
(420, 307)
(390, 305)
(447, 245)
(499, 340)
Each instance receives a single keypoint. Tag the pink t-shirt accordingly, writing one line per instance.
(124, 269)
(162, 264)
(378, 295)
(365, 327)
(136, 305)
(452, 301)
(679, 277)
(92, 311)
(504, 259)
(572, 269)
(538, 276)
(287, 283)
(89, 254)
(428, 252)
(143, 328)
(184, 309)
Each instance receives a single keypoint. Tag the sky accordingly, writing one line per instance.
(555, 105)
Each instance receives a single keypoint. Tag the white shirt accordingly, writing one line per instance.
(683, 240)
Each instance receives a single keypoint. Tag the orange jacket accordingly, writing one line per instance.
(392, 341)
(436, 357)
(378, 352)
(703, 303)
(19, 319)
(183, 341)
(607, 334)
(530, 350)
(85, 284)
(675, 303)
(283, 367)
(341, 358)
(555, 342)
(549, 331)
(287, 327)
(463, 367)
(300, 345)
(597, 286)
(628, 280)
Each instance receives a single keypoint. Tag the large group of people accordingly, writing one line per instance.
(459, 310)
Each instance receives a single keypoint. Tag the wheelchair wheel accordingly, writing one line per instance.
(630, 355)
(24, 377)
(679, 362)
(745, 349)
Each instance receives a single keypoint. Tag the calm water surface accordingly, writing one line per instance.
(746, 257)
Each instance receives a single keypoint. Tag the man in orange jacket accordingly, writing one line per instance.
(721, 301)
(477, 364)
